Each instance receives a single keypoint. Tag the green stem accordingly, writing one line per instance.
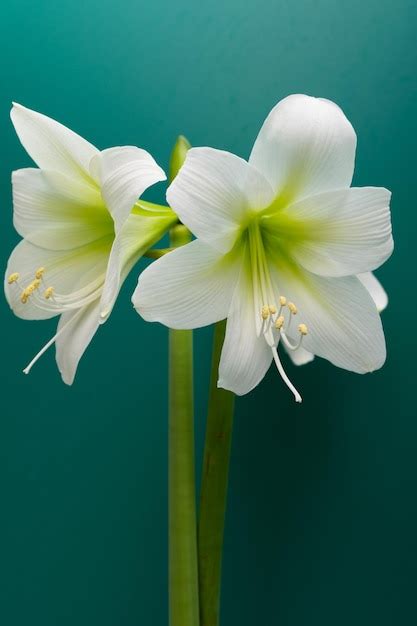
(183, 572)
(214, 489)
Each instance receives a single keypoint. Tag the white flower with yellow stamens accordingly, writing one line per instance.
(83, 230)
(280, 236)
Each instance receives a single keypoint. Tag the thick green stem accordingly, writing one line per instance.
(214, 489)
(183, 572)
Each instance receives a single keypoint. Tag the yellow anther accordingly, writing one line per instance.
(292, 308)
(265, 312)
(272, 309)
(282, 300)
(49, 292)
(302, 328)
(28, 291)
(13, 277)
(34, 285)
(39, 272)
(279, 322)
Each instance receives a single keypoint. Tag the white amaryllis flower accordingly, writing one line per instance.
(280, 236)
(83, 230)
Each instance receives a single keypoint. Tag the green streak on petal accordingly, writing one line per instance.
(142, 207)
(279, 257)
(141, 231)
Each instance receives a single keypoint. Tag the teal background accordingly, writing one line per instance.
(321, 526)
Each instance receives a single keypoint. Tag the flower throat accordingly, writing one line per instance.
(274, 313)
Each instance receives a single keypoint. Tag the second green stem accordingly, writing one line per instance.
(214, 489)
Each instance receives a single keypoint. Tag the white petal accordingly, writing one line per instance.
(378, 293)
(73, 341)
(343, 232)
(213, 193)
(343, 323)
(124, 174)
(300, 356)
(57, 212)
(138, 234)
(188, 288)
(305, 146)
(51, 145)
(65, 271)
(245, 357)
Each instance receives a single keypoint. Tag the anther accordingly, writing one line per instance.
(34, 285)
(265, 312)
(48, 293)
(272, 309)
(282, 300)
(13, 278)
(28, 291)
(39, 272)
(292, 308)
(279, 322)
(302, 329)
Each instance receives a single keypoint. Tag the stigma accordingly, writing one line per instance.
(275, 322)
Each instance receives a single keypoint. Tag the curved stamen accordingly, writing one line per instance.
(49, 302)
(79, 294)
(291, 346)
(53, 301)
(270, 321)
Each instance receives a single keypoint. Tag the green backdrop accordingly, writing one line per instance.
(321, 526)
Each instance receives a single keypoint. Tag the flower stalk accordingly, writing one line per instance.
(183, 574)
(183, 571)
(213, 495)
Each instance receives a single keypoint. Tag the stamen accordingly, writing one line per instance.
(263, 292)
(39, 272)
(13, 278)
(303, 330)
(48, 293)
